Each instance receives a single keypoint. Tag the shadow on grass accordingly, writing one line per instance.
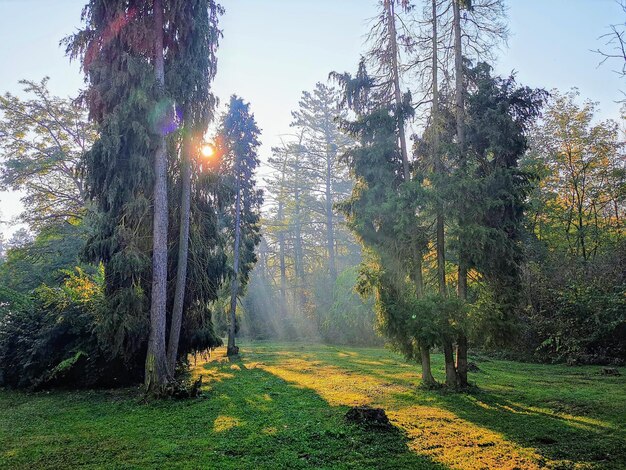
(532, 411)
(567, 439)
(248, 418)
(264, 421)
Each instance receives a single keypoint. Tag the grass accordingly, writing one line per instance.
(282, 406)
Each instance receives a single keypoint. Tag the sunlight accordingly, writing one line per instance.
(207, 151)
(224, 423)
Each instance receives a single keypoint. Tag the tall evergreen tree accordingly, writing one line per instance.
(238, 144)
(191, 70)
(139, 72)
(323, 143)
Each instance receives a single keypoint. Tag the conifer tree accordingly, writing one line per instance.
(323, 143)
(147, 76)
(238, 144)
(191, 70)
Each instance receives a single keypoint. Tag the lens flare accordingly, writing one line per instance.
(207, 150)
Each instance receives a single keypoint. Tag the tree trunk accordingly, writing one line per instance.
(183, 252)
(299, 252)
(391, 18)
(461, 361)
(283, 266)
(330, 232)
(232, 349)
(448, 353)
(156, 374)
(438, 167)
(458, 77)
(461, 352)
(427, 377)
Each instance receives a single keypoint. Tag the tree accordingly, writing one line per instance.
(384, 213)
(191, 73)
(238, 144)
(473, 34)
(42, 141)
(579, 202)
(615, 42)
(157, 372)
(384, 58)
(130, 97)
(323, 143)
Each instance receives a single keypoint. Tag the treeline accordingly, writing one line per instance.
(140, 227)
(422, 201)
(302, 287)
(486, 214)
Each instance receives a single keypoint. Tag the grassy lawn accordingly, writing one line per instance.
(282, 406)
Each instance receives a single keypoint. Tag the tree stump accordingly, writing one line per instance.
(369, 417)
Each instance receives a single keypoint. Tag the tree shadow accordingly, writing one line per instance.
(264, 421)
(528, 407)
(566, 439)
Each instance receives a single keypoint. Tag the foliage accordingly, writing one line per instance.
(42, 141)
(133, 114)
(56, 248)
(50, 337)
(573, 283)
(349, 319)
(238, 142)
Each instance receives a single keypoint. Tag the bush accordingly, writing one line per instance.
(349, 319)
(48, 338)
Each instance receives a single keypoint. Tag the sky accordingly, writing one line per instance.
(272, 50)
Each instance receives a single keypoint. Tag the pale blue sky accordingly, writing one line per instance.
(274, 49)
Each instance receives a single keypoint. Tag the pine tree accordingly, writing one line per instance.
(238, 144)
(323, 143)
(191, 70)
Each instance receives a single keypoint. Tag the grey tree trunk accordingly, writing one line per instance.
(156, 373)
(283, 266)
(440, 222)
(427, 377)
(391, 18)
(330, 231)
(232, 349)
(183, 252)
(448, 353)
(461, 353)
(298, 250)
(280, 216)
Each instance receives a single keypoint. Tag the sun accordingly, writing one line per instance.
(207, 150)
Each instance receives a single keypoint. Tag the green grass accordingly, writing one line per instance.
(282, 406)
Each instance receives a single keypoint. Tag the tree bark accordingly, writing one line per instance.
(281, 255)
(299, 252)
(458, 79)
(438, 167)
(330, 232)
(448, 353)
(461, 361)
(183, 252)
(461, 352)
(427, 377)
(232, 349)
(156, 373)
(391, 19)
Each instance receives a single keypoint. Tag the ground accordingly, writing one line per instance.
(283, 406)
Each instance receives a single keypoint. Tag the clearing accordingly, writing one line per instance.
(282, 405)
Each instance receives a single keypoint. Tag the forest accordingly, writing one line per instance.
(425, 269)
